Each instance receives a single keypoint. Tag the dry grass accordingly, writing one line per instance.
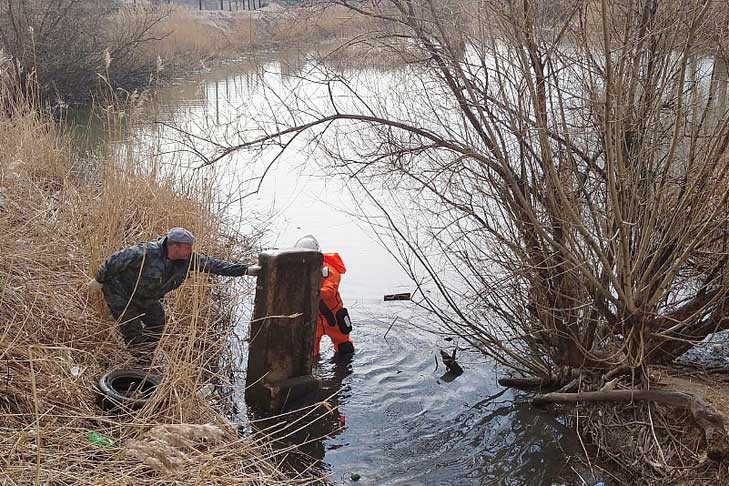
(307, 27)
(189, 35)
(343, 38)
(186, 35)
(150, 43)
(651, 443)
(57, 222)
(163, 448)
(174, 41)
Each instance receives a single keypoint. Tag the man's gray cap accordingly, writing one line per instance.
(180, 235)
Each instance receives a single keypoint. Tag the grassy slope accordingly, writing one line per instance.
(57, 223)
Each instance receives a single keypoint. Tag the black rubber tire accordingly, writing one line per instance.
(113, 387)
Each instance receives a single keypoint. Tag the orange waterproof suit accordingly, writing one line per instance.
(330, 298)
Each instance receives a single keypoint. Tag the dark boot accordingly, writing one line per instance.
(346, 348)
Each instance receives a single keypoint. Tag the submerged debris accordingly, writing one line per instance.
(449, 360)
(403, 296)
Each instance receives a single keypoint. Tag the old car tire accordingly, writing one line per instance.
(126, 389)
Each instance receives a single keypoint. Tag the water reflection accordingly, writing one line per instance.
(291, 64)
(304, 428)
(395, 421)
(335, 391)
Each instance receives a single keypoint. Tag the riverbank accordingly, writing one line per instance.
(658, 442)
(81, 52)
(191, 38)
(61, 215)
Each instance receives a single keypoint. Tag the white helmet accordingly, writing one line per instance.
(308, 242)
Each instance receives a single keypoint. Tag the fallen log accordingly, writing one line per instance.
(533, 383)
(529, 383)
(711, 421)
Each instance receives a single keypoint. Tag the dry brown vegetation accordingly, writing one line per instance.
(59, 216)
(307, 27)
(651, 443)
(186, 37)
(187, 34)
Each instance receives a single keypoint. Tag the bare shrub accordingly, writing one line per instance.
(571, 169)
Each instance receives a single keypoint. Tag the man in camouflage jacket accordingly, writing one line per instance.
(134, 281)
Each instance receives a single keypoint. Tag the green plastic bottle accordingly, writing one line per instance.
(99, 439)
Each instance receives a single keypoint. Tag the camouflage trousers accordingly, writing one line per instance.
(141, 321)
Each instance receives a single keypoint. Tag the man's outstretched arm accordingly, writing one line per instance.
(202, 263)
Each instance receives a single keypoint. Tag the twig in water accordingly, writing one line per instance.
(653, 432)
(582, 443)
(388, 329)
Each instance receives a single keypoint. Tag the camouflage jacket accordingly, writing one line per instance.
(145, 266)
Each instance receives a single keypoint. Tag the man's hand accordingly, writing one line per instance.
(253, 270)
(94, 285)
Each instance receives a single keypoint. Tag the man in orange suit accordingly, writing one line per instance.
(333, 318)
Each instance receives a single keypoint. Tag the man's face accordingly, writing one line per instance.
(179, 251)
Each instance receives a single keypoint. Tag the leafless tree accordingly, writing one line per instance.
(566, 166)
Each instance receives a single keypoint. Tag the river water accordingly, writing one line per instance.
(400, 421)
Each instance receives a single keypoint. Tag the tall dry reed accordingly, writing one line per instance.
(58, 220)
(185, 37)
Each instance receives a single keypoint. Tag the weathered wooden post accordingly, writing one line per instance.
(281, 334)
